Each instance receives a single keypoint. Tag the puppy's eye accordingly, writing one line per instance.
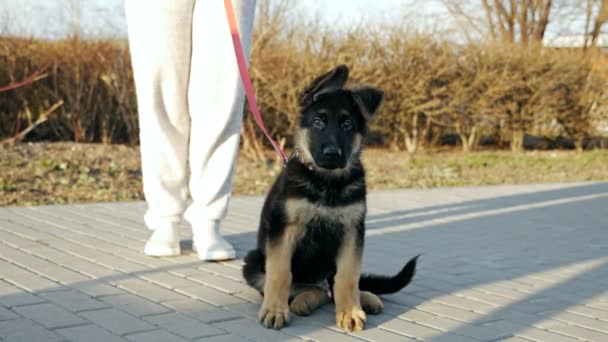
(318, 123)
(347, 124)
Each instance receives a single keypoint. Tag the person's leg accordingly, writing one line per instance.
(216, 101)
(160, 44)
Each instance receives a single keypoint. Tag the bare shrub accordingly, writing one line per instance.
(92, 78)
(432, 87)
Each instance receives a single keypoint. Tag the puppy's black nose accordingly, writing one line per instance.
(332, 152)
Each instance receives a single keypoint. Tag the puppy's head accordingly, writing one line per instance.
(333, 120)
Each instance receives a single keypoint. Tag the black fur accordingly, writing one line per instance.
(314, 259)
(334, 116)
(379, 284)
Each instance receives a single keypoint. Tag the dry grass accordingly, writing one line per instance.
(51, 173)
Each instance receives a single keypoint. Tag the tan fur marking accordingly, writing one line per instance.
(357, 143)
(302, 142)
(275, 311)
(371, 303)
(349, 315)
(308, 301)
(301, 211)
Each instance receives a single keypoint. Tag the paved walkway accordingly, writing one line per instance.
(513, 263)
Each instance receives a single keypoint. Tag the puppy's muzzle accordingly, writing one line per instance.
(332, 152)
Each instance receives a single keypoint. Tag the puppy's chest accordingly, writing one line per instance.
(308, 215)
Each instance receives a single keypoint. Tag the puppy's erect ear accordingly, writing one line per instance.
(368, 100)
(334, 79)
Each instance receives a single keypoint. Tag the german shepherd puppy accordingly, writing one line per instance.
(310, 238)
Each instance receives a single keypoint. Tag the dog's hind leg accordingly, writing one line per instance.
(253, 270)
(308, 300)
(370, 303)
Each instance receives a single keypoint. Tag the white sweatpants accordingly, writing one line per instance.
(190, 101)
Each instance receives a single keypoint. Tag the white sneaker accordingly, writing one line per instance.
(209, 243)
(164, 241)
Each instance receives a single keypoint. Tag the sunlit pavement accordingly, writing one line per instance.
(517, 263)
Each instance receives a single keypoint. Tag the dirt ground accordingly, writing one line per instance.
(52, 173)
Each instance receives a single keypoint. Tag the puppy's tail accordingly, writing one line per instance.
(379, 284)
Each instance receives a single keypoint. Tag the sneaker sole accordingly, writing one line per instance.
(216, 256)
(162, 251)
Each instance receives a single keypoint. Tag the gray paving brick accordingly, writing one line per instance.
(24, 330)
(517, 317)
(73, 300)
(451, 312)
(155, 336)
(96, 288)
(148, 290)
(11, 295)
(506, 327)
(466, 304)
(98, 257)
(600, 305)
(410, 329)
(579, 332)
(201, 311)
(514, 339)
(134, 255)
(221, 338)
(488, 298)
(318, 333)
(233, 273)
(6, 314)
(73, 262)
(210, 295)
(24, 278)
(29, 233)
(250, 295)
(542, 305)
(430, 320)
(482, 333)
(501, 291)
(253, 331)
(510, 260)
(41, 266)
(135, 305)
(449, 337)
(581, 321)
(220, 283)
(168, 280)
(88, 333)
(589, 312)
(49, 315)
(540, 335)
(413, 299)
(381, 335)
(245, 309)
(184, 326)
(14, 240)
(117, 322)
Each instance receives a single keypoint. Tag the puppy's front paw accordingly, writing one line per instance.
(274, 316)
(351, 320)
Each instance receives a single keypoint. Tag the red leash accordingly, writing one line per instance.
(240, 58)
